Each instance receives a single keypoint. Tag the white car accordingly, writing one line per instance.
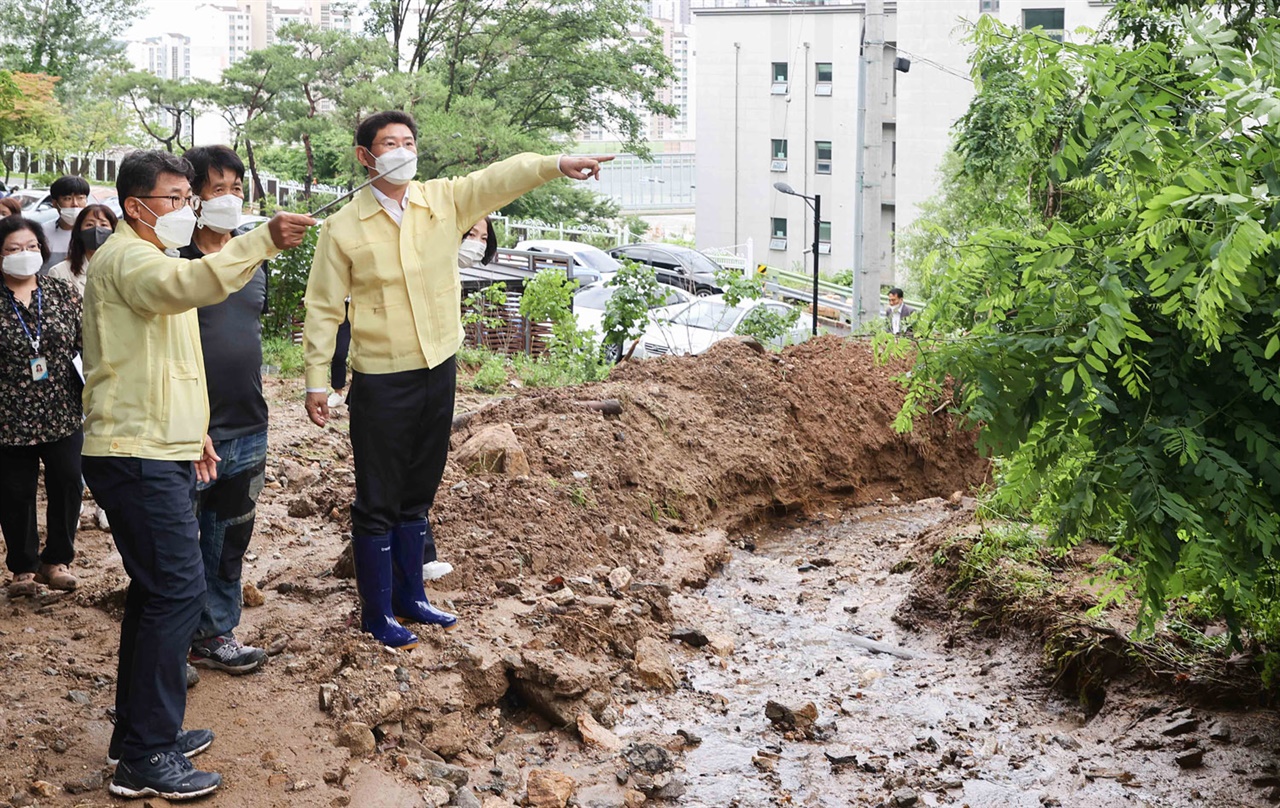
(596, 264)
(590, 300)
(706, 321)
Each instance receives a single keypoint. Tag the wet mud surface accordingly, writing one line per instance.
(914, 717)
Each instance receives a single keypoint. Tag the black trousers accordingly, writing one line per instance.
(153, 522)
(19, 481)
(400, 425)
(338, 365)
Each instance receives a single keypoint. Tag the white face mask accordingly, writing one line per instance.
(470, 253)
(68, 215)
(389, 164)
(222, 213)
(23, 264)
(174, 229)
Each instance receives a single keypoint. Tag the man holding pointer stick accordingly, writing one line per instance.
(393, 251)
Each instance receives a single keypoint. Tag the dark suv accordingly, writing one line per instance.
(676, 266)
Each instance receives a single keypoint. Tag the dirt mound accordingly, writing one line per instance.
(561, 573)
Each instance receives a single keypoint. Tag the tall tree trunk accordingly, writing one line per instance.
(311, 167)
(258, 193)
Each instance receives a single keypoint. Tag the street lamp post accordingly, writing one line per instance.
(815, 203)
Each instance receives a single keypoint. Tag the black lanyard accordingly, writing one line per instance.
(35, 341)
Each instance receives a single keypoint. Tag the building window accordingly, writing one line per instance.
(1052, 20)
(778, 162)
(824, 238)
(822, 160)
(778, 239)
(823, 76)
(988, 6)
(779, 78)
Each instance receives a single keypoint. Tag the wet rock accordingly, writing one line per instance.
(328, 695)
(494, 449)
(689, 738)
(508, 588)
(838, 759)
(905, 565)
(1220, 733)
(653, 665)
(648, 757)
(79, 697)
(595, 735)
(563, 597)
(690, 636)
(1190, 759)
(357, 737)
(905, 798)
(466, 798)
(1180, 726)
(633, 799)
(440, 772)
(800, 720)
(619, 579)
(547, 788)
(252, 596)
(764, 760)
(43, 788)
(1066, 742)
(90, 782)
(302, 507)
(721, 645)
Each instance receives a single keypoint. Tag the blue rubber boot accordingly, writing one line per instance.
(372, 555)
(409, 599)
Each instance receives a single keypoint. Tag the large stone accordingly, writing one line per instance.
(493, 449)
(801, 719)
(357, 737)
(653, 665)
(565, 674)
(435, 797)
(547, 788)
(620, 579)
(595, 735)
(448, 736)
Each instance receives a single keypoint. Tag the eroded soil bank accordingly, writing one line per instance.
(580, 541)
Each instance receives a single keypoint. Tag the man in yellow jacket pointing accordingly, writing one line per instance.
(146, 414)
(393, 250)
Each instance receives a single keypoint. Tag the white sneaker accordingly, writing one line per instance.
(336, 400)
(101, 516)
(435, 570)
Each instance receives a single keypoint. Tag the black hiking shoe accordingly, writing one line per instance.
(226, 653)
(164, 774)
(190, 742)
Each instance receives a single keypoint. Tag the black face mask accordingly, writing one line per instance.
(94, 237)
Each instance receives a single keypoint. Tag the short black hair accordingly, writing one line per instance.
(69, 185)
(204, 158)
(139, 171)
(896, 292)
(12, 224)
(375, 123)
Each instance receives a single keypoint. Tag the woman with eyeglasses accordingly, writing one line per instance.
(40, 399)
(92, 228)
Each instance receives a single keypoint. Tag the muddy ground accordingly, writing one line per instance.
(723, 500)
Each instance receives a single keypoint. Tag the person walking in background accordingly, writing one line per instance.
(92, 228)
(147, 412)
(40, 398)
(231, 342)
(897, 314)
(69, 195)
(393, 251)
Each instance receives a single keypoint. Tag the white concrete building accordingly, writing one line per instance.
(225, 35)
(167, 56)
(932, 97)
(777, 101)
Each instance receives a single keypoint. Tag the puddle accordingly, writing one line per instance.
(810, 611)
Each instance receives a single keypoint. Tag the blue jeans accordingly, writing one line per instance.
(226, 508)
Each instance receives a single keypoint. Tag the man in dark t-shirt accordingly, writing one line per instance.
(231, 339)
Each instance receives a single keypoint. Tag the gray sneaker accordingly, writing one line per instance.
(226, 653)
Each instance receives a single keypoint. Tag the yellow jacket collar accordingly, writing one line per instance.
(367, 204)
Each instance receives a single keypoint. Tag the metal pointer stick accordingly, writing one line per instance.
(364, 184)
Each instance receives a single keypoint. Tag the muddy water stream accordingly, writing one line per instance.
(903, 719)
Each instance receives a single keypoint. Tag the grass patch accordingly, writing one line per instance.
(280, 352)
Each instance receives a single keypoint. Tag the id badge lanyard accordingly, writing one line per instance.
(39, 368)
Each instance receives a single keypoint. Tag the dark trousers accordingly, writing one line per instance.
(338, 365)
(153, 523)
(400, 425)
(19, 480)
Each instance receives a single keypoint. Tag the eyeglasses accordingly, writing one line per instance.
(177, 202)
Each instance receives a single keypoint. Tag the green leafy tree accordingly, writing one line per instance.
(1118, 347)
(626, 313)
(29, 113)
(164, 107)
(64, 38)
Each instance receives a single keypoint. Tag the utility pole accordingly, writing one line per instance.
(868, 247)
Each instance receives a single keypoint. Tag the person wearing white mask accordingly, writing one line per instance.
(479, 245)
(40, 399)
(394, 251)
(69, 195)
(231, 340)
(146, 444)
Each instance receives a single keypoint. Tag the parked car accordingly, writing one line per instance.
(704, 322)
(589, 303)
(592, 262)
(676, 266)
(37, 205)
